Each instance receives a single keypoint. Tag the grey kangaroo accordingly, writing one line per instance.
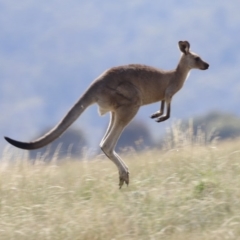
(122, 91)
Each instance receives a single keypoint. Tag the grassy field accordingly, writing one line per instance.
(189, 191)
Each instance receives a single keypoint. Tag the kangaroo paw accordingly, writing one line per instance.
(161, 119)
(156, 114)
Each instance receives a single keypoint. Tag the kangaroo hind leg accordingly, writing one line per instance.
(110, 125)
(119, 120)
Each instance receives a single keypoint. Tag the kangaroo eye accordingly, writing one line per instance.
(197, 58)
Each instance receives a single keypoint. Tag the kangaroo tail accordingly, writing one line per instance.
(85, 101)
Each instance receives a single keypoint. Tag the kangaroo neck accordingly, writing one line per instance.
(181, 74)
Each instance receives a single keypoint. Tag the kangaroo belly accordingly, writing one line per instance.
(113, 96)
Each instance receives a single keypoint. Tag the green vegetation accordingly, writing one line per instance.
(221, 124)
(191, 191)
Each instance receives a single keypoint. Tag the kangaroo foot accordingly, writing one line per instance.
(123, 178)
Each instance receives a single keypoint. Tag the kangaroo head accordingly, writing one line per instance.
(189, 59)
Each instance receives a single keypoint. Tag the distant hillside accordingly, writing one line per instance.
(51, 51)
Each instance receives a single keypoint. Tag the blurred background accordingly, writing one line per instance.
(50, 51)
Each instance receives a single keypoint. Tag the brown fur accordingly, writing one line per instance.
(122, 91)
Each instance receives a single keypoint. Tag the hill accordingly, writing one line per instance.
(50, 52)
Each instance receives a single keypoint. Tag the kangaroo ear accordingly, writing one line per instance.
(184, 46)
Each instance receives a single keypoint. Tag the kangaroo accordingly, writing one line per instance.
(122, 91)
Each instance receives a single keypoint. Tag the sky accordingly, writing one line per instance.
(50, 51)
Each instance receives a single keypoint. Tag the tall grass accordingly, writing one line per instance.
(190, 190)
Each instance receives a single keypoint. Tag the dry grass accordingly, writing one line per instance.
(190, 192)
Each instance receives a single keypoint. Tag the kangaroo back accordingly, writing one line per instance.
(85, 101)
